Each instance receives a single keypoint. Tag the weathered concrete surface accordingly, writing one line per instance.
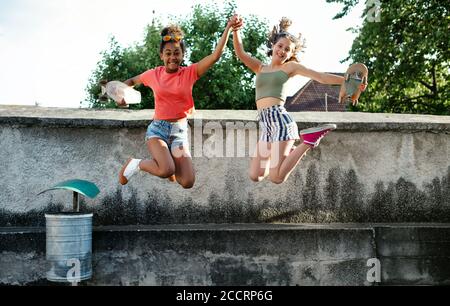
(245, 254)
(29, 115)
(412, 254)
(374, 168)
(22, 256)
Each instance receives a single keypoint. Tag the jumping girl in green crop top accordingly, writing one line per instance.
(275, 156)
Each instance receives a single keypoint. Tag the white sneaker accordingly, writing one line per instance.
(130, 169)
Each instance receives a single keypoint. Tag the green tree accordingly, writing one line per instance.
(227, 85)
(119, 63)
(405, 45)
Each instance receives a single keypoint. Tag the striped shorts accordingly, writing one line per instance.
(275, 124)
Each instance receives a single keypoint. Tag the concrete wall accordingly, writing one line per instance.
(245, 254)
(374, 168)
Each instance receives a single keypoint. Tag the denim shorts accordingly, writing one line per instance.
(173, 133)
(277, 125)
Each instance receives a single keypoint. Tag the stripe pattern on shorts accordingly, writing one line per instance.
(277, 125)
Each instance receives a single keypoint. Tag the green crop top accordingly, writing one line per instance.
(272, 84)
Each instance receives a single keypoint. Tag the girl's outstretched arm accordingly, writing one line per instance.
(134, 81)
(321, 77)
(206, 63)
(252, 63)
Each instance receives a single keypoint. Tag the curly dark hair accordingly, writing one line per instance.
(282, 32)
(172, 30)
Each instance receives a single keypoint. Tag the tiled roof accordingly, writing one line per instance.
(311, 98)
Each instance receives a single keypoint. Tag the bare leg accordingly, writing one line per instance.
(162, 163)
(283, 161)
(184, 170)
(259, 165)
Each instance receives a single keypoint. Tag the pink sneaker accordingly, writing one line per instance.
(313, 135)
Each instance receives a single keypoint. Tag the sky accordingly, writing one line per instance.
(49, 48)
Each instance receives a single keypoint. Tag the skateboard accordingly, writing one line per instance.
(120, 92)
(356, 78)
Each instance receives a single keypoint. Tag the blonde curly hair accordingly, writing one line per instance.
(282, 32)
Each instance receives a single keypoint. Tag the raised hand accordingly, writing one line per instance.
(236, 22)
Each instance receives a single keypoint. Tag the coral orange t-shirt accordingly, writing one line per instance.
(173, 91)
